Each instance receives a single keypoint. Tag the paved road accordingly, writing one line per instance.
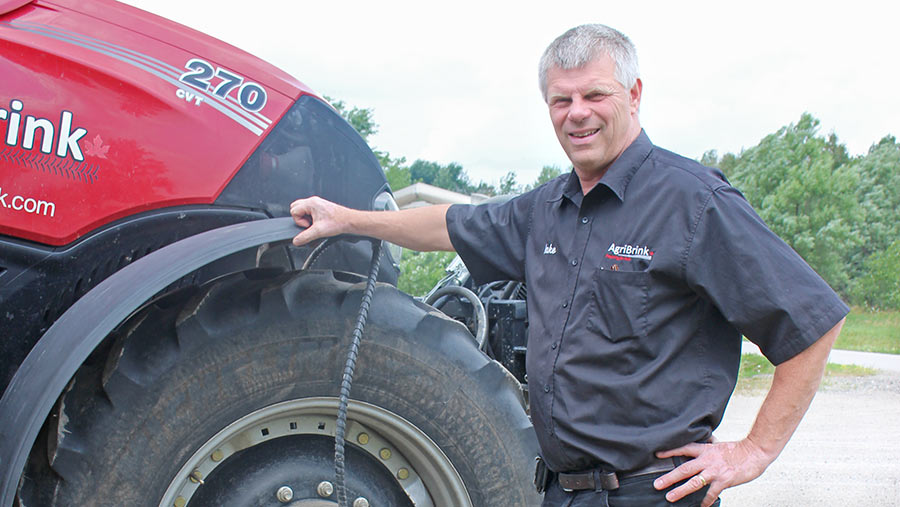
(885, 362)
(846, 451)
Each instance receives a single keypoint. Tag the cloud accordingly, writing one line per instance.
(456, 82)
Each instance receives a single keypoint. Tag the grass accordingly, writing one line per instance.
(756, 373)
(871, 332)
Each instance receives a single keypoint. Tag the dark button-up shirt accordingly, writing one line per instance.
(638, 294)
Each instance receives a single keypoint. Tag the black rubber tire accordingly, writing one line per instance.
(183, 369)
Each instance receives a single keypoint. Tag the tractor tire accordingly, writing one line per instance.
(228, 396)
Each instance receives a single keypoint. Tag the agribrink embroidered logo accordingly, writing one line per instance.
(628, 252)
(549, 249)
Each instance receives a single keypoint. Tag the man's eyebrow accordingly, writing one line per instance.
(593, 91)
(558, 96)
(600, 90)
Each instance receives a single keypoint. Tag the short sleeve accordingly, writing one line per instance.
(490, 238)
(758, 282)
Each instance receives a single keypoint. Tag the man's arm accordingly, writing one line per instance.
(423, 229)
(726, 464)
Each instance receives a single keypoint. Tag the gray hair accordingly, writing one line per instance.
(578, 46)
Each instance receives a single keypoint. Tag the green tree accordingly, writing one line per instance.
(839, 154)
(485, 189)
(359, 118)
(450, 176)
(879, 194)
(548, 172)
(725, 164)
(879, 287)
(421, 271)
(395, 170)
(508, 184)
(792, 180)
(710, 158)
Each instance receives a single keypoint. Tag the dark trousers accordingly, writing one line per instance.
(633, 492)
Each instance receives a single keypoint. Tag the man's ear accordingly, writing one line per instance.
(635, 95)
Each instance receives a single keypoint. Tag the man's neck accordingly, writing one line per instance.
(590, 178)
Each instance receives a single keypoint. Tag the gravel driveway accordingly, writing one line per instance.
(846, 451)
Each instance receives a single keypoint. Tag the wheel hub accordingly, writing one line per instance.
(291, 444)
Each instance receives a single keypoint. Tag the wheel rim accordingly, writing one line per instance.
(415, 462)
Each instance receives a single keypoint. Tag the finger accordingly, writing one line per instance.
(693, 450)
(680, 473)
(694, 484)
(296, 205)
(711, 496)
(302, 207)
(299, 210)
(306, 236)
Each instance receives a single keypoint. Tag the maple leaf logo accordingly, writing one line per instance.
(95, 148)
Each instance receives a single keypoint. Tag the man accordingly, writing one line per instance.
(644, 269)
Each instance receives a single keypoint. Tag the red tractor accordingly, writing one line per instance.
(161, 342)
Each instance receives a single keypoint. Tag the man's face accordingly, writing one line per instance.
(594, 116)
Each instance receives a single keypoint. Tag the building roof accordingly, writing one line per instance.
(423, 194)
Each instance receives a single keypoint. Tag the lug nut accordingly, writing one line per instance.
(325, 489)
(284, 494)
(196, 477)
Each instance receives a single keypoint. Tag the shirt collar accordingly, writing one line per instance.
(619, 174)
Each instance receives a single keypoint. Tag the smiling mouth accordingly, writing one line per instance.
(582, 135)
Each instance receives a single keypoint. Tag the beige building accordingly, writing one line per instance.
(423, 194)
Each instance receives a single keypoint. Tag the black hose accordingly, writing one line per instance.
(317, 251)
(437, 299)
(347, 379)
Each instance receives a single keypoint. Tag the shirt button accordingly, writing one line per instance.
(553, 345)
(585, 220)
(574, 262)
(565, 304)
(546, 388)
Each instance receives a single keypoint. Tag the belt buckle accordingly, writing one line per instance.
(567, 490)
(609, 481)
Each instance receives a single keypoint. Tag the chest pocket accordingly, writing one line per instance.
(619, 307)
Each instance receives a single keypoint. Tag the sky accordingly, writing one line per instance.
(457, 81)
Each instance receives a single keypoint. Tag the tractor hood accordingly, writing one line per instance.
(108, 111)
(189, 40)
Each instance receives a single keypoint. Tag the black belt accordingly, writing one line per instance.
(597, 479)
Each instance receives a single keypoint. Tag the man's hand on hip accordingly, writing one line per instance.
(720, 465)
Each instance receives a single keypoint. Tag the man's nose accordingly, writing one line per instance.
(579, 110)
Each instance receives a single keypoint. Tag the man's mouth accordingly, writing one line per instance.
(582, 135)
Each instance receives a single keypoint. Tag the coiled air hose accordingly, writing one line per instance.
(356, 337)
(349, 367)
(464, 293)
